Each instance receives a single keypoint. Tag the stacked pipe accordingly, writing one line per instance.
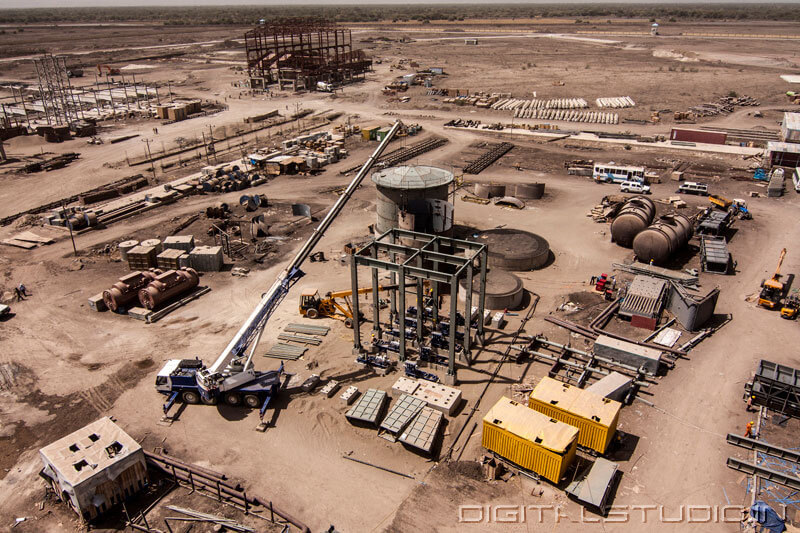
(511, 104)
(222, 210)
(167, 286)
(252, 202)
(660, 241)
(126, 290)
(593, 117)
(619, 102)
(635, 215)
(232, 181)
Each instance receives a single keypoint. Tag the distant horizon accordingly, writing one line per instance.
(66, 4)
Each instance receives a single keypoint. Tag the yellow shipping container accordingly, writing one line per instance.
(596, 417)
(529, 439)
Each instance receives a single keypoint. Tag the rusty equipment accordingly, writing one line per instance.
(126, 290)
(168, 285)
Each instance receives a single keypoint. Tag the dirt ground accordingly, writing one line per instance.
(63, 365)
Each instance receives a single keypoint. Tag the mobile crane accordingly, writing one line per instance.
(772, 289)
(313, 306)
(232, 378)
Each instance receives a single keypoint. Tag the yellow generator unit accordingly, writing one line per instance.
(529, 439)
(596, 417)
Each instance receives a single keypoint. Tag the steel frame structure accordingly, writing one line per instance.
(776, 387)
(55, 90)
(302, 52)
(426, 262)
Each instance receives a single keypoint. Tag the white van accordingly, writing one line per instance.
(691, 187)
(634, 187)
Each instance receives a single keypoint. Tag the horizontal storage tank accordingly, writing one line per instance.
(490, 190)
(168, 286)
(596, 417)
(403, 188)
(513, 249)
(530, 439)
(635, 215)
(660, 241)
(529, 191)
(126, 291)
(503, 289)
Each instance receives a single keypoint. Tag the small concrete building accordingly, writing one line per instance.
(95, 467)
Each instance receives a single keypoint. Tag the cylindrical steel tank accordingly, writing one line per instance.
(155, 243)
(126, 290)
(529, 191)
(490, 190)
(399, 188)
(657, 243)
(504, 290)
(168, 285)
(635, 215)
(125, 246)
(514, 249)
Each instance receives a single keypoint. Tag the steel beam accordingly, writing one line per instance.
(760, 446)
(780, 478)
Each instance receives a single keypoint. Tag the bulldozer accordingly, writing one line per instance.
(772, 288)
(791, 305)
(314, 306)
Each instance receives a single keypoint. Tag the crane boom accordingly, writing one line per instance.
(780, 263)
(229, 370)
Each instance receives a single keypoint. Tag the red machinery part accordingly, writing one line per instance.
(126, 290)
(168, 285)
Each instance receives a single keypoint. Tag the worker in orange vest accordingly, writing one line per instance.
(748, 433)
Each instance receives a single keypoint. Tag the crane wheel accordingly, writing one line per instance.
(210, 401)
(251, 400)
(312, 313)
(233, 398)
(190, 397)
(348, 323)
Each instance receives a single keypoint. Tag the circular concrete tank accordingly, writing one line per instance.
(401, 189)
(125, 246)
(155, 243)
(657, 243)
(529, 191)
(514, 249)
(490, 190)
(504, 290)
(634, 216)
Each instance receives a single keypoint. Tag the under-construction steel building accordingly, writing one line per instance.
(301, 52)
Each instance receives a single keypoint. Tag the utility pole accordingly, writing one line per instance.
(150, 158)
(69, 225)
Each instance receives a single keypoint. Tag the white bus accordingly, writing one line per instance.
(611, 173)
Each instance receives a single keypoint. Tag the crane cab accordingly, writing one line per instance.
(309, 303)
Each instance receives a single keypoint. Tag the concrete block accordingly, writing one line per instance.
(349, 395)
(487, 317)
(330, 388)
(499, 320)
(139, 313)
(440, 397)
(96, 303)
(405, 385)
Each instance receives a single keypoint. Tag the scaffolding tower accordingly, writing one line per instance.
(55, 90)
(301, 52)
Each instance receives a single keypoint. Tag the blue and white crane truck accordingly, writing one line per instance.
(232, 378)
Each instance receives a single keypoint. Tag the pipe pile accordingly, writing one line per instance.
(512, 104)
(592, 117)
(620, 102)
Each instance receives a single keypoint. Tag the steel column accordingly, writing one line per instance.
(376, 313)
(401, 318)
(467, 314)
(356, 315)
(451, 361)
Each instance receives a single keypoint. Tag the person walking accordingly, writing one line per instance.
(23, 290)
(18, 294)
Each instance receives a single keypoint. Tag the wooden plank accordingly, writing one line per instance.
(18, 244)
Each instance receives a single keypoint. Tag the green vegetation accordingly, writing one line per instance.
(248, 15)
